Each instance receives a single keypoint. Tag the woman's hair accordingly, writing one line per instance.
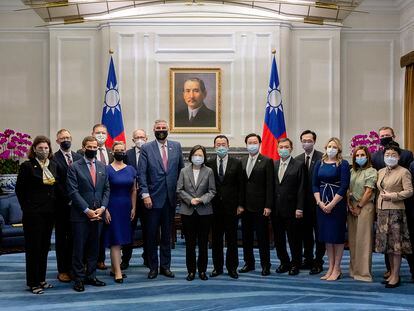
(194, 149)
(368, 164)
(339, 154)
(38, 140)
(393, 146)
(117, 143)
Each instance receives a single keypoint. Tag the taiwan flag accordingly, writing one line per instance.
(112, 113)
(274, 127)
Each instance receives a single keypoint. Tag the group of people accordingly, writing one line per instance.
(95, 196)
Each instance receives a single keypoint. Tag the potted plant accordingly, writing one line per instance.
(13, 148)
(371, 141)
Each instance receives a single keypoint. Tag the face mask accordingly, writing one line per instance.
(42, 155)
(161, 135)
(385, 141)
(222, 151)
(284, 153)
(253, 148)
(308, 147)
(331, 152)
(65, 145)
(197, 160)
(390, 161)
(139, 143)
(90, 154)
(119, 156)
(361, 161)
(101, 138)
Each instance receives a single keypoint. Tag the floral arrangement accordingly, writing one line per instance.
(371, 141)
(13, 147)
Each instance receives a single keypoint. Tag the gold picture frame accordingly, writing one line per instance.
(195, 100)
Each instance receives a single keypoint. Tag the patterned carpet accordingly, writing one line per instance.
(250, 292)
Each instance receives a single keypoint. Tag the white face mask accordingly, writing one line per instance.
(101, 138)
(331, 152)
(139, 143)
(391, 161)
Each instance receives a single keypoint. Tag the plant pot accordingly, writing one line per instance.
(8, 183)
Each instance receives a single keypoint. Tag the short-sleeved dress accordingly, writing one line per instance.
(330, 179)
(118, 231)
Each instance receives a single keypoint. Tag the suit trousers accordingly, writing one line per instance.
(310, 239)
(37, 233)
(360, 238)
(127, 249)
(291, 227)
(157, 218)
(196, 229)
(86, 236)
(225, 225)
(63, 239)
(255, 222)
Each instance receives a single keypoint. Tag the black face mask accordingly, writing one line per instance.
(161, 135)
(65, 145)
(119, 156)
(90, 154)
(385, 141)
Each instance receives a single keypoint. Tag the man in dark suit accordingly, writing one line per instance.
(387, 135)
(139, 137)
(258, 203)
(196, 113)
(227, 205)
(310, 227)
(88, 188)
(288, 208)
(160, 163)
(104, 155)
(64, 158)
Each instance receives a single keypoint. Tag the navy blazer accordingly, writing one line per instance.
(406, 158)
(152, 179)
(62, 167)
(131, 158)
(83, 193)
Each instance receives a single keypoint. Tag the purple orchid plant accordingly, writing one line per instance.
(14, 147)
(371, 141)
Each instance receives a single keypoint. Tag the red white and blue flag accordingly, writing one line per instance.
(112, 114)
(274, 127)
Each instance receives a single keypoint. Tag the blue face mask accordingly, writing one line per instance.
(222, 151)
(253, 148)
(197, 160)
(284, 153)
(361, 161)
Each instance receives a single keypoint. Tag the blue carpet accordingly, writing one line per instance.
(250, 292)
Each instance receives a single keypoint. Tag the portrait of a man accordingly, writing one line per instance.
(195, 105)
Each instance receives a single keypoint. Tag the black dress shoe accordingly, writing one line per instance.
(306, 265)
(282, 269)
(94, 282)
(215, 273)
(124, 265)
(167, 273)
(246, 268)
(388, 285)
(203, 276)
(233, 274)
(190, 276)
(124, 276)
(79, 286)
(121, 280)
(266, 271)
(294, 271)
(316, 270)
(152, 274)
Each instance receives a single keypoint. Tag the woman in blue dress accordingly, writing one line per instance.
(330, 183)
(121, 207)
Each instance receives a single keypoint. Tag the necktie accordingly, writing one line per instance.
(101, 156)
(249, 166)
(68, 159)
(307, 161)
(164, 157)
(93, 172)
(221, 170)
(282, 171)
(137, 156)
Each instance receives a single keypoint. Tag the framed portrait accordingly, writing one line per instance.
(195, 100)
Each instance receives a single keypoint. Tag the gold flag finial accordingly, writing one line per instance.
(273, 51)
(111, 51)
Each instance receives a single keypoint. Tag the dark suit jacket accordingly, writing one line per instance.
(33, 195)
(109, 151)
(230, 192)
(152, 179)
(406, 158)
(204, 118)
(131, 158)
(82, 192)
(259, 190)
(290, 191)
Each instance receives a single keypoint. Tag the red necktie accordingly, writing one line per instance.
(68, 159)
(93, 173)
(164, 158)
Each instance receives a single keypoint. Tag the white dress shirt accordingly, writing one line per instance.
(225, 160)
